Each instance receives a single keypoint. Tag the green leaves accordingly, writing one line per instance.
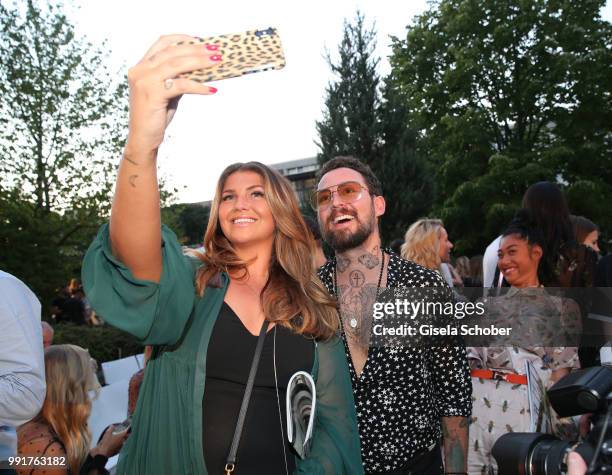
(57, 96)
(368, 119)
(517, 79)
(350, 124)
(63, 116)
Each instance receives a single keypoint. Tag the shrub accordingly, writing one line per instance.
(104, 343)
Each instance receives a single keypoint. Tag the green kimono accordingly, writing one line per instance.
(166, 433)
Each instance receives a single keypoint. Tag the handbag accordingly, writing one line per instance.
(230, 463)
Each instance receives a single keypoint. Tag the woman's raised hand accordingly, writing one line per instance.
(155, 88)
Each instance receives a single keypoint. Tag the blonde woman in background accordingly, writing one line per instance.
(60, 430)
(426, 243)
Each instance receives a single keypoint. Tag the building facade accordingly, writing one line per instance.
(301, 173)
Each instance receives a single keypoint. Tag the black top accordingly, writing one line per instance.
(403, 392)
(229, 357)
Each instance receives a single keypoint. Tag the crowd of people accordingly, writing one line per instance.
(228, 325)
(72, 306)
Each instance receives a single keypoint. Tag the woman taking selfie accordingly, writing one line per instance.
(207, 316)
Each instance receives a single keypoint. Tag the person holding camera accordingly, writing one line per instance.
(499, 380)
(576, 464)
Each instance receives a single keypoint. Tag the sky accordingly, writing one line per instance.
(269, 117)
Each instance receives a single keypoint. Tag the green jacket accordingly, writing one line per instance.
(166, 433)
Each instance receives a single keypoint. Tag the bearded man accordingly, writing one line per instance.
(407, 398)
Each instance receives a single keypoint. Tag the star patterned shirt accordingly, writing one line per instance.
(403, 392)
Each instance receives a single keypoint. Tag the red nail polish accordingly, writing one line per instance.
(215, 57)
(212, 47)
(212, 90)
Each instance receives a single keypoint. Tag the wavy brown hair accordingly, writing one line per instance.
(70, 376)
(422, 243)
(293, 296)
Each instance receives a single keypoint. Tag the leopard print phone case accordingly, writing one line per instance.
(243, 53)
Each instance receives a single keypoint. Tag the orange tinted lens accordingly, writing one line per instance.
(349, 192)
(323, 198)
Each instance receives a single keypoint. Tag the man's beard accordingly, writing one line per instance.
(344, 239)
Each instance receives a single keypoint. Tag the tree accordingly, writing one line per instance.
(407, 180)
(525, 80)
(62, 111)
(350, 124)
(193, 219)
(188, 221)
(28, 246)
(62, 122)
(364, 118)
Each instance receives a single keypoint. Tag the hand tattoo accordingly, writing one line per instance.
(132, 180)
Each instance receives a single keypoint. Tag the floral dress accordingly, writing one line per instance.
(500, 407)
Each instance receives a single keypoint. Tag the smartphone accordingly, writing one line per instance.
(250, 52)
(122, 426)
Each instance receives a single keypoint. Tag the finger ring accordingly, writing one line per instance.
(168, 83)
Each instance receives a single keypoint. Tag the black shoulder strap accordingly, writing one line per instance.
(231, 458)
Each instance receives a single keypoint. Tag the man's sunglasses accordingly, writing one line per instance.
(348, 192)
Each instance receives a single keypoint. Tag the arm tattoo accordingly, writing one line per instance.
(455, 432)
(132, 180)
(125, 157)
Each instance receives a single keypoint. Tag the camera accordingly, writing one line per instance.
(581, 392)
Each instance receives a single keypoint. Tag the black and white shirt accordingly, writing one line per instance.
(403, 392)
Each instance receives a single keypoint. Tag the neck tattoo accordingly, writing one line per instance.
(353, 323)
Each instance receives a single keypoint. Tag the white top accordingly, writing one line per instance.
(447, 274)
(489, 263)
(22, 367)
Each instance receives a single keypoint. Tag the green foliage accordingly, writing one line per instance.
(470, 205)
(61, 111)
(38, 248)
(407, 180)
(62, 121)
(63, 117)
(526, 80)
(188, 221)
(366, 119)
(350, 124)
(103, 342)
(592, 198)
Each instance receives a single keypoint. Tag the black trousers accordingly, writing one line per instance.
(429, 463)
